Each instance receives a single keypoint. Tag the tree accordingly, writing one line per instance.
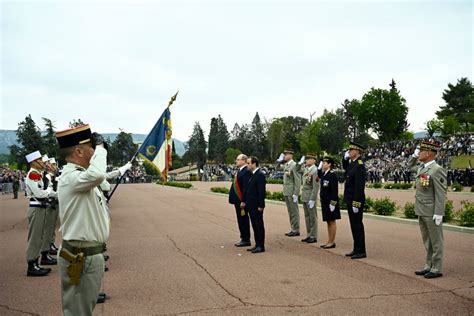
(275, 138)
(76, 123)
(243, 140)
(29, 136)
(384, 111)
(121, 149)
(259, 138)
(218, 140)
(308, 138)
(331, 132)
(196, 147)
(16, 157)
(433, 126)
(176, 161)
(49, 139)
(231, 154)
(292, 126)
(353, 126)
(459, 100)
(450, 126)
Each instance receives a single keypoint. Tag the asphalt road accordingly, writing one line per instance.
(172, 253)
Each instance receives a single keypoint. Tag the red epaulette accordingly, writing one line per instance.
(34, 176)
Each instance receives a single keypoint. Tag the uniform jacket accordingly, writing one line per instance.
(291, 179)
(243, 178)
(254, 195)
(329, 188)
(310, 185)
(431, 187)
(354, 186)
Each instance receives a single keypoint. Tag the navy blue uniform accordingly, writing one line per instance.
(329, 195)
(354, 196)
(254, 198)
(243, 177)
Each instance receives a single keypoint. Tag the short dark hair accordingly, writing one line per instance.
(254, 160)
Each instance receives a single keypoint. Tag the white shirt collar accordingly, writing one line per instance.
(242, 167)
(429, 163)
(255, 170)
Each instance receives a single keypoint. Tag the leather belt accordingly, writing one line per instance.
(87, 251)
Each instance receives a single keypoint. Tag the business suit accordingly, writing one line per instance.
(291, 186)
(309, 192)
(354, 196)
(430, 199)
(254, 198)
(243, 176)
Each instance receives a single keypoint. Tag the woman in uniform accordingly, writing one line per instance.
(329, 200)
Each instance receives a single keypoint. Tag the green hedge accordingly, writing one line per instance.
(466, 214)
(448, 211)
(398, 186)
(274, 181)
(183, 185)
(369, 205)
(409, 210)
(220, 190)
(384, 206)
(456, 187)
(472, 188)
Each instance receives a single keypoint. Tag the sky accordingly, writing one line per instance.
(115, 64)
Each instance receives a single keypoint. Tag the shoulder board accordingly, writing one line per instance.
(34, 176)
(332, 171)
(360, 162)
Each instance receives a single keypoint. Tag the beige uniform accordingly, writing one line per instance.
(84, 223)
(291, 186)
(309, 192)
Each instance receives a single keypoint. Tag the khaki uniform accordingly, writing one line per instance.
(50, 220)
(291, 186)
(430, 199)
(84, 223)
(309, 192)
(36, 212)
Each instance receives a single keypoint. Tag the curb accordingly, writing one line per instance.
(450, 227)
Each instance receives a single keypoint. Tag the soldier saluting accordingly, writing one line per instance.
(84, 219)
(354, 196)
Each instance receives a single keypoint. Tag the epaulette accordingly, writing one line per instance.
(34, 176)
(331, 171)
(360, 162)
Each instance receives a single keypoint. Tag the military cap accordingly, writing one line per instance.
(74, 136)
(310, 156)
(430, 146)
(289, 151)
(33, 156)
(354, 145)
(329, 160)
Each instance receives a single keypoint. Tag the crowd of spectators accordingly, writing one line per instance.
(10, 178)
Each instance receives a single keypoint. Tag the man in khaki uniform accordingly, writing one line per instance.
(84, 219)
(291, 191)
(37, 195)
(429, 206)
(309, 193)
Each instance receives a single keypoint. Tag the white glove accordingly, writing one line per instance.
(311, 203)
(281, 157)
(355, 209)
(416, 154)
(125, 168)
(346, 155)
(301, 160)
(438, 219)
(295, 198)
(320, 167)
(49, 190)
(332, 207)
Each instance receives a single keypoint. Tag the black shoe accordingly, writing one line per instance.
(53, 250)
(106, 257)
(329, 246)
(431, 275)
(305, 240)
(53, 247)
(258, 250)
(101, 298)
(292, 234)
(106, 269)
(35, 270)
(422, 272)
(251, 249)
(350, 254)
(358, 256)
(243, 244)
(311, 240)
(102, 294)
(47, 260)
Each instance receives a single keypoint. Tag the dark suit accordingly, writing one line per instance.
(254, 198)
(354, 195)
(243, 177)
(329, 195)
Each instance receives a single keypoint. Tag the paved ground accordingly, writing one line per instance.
(172, 253)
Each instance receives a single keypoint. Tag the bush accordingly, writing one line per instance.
(268, 195)
(389, 186)
(457, 187)
(220, 190)
(278, 196)
(342, 202)
(377, 185)
(369, 205)
(398, 186)
(466, 214)
(406, 186)
(384, 206)
(448, 211)
(409, 210)
(274, 181)
(472, 188)
(183, 185)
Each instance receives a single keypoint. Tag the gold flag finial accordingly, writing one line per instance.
(173, 98)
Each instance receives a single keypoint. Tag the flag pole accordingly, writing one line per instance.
(173, 98)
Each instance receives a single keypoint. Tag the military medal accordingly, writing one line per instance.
(425, 180)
